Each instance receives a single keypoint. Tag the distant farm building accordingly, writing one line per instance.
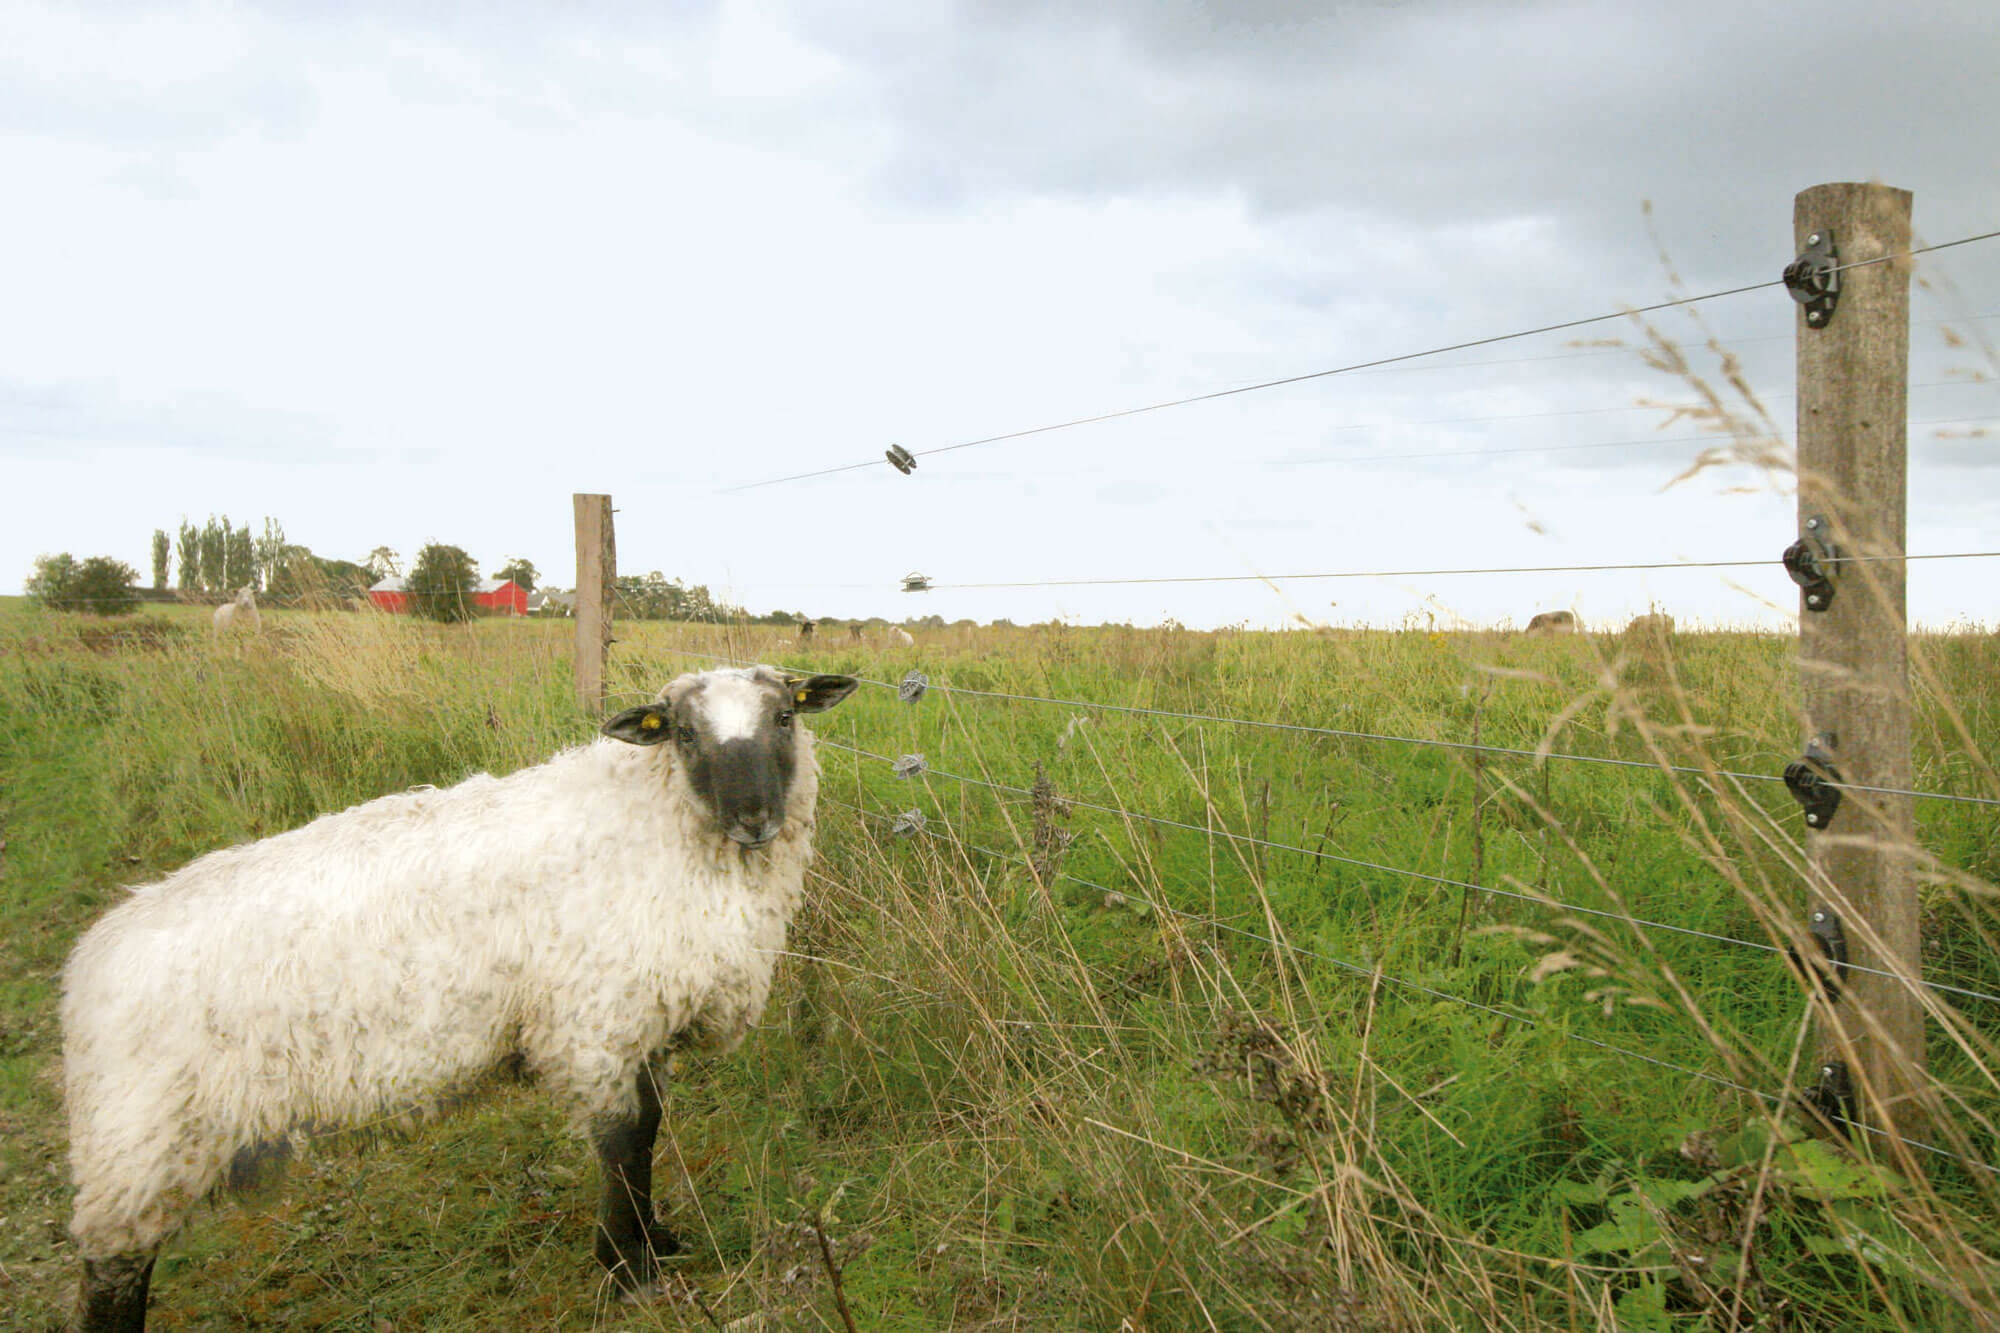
(493, 597)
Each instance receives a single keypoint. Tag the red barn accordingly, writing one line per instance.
(493, 597)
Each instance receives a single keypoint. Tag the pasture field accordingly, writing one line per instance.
(1155, 1080)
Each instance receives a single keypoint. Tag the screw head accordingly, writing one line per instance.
(1819, 916)
(1813, 239)
(1813, 820)
(1812, 523)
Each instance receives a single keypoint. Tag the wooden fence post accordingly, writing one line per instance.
(1853, 382)
(596, 580)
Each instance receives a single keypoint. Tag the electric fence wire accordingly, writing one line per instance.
(1625, 918)
(930, 586)
(1356, 366)
(1339, 733)
(1348, 965)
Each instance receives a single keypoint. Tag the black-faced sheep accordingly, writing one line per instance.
(573, 920)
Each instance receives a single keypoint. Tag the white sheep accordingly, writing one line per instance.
(241, 612)
(901, 637)
(572, 921)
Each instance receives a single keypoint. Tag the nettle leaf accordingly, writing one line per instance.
(1631, 1229)
(1816, 1169)
(1644, 1306)
(1583, 1191)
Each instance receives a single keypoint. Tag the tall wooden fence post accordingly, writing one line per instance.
(1853, 381)
(596, 580)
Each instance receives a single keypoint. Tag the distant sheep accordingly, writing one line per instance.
(807, 629)
(239, 614)
(854, 633)
(572, 921)
(1657, 624)
(900, 637)
(1554, 622)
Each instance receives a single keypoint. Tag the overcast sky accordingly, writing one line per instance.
(419, 274)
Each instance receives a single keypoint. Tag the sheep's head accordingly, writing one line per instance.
(734, 732)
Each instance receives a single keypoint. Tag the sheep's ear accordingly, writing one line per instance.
(816, 694)
(648, 724)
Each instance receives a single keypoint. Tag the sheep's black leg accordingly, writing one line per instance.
(114, 1293)
(628, 1239)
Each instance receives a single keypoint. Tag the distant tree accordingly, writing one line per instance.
(53, 583)
(441, 584)
(520, 569)
(268, 550)
(239, 559)
(214, 549)
(188, 548)
(163, 549)
(99, 584)
(315, 581)
(383, 563)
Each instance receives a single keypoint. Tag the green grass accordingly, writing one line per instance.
(1142, 1089)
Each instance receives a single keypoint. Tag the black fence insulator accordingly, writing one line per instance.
(900, 458)
(1815, 783)
(912, 687)
(916, 583)
(1813, 278)
(1811, 561)
(909, 766)
(1825, 972)
(908, 824)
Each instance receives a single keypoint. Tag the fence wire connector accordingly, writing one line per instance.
(1825, 972)
(1811, 561)
(908, 824)
(909, 766)
(900, 458)
(1833, 1098)
(916, 583)
(912, 687)
(1813, 278)
(1814, 782)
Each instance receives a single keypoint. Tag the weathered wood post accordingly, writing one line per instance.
(596, 580)
(1853, 382)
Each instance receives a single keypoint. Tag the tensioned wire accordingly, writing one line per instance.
(1372, 973)
(1348, 369)
(1338, 733)
(1320, 854)
(1434, 573)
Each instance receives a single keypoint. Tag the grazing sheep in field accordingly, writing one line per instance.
(854, 633)
(573, 921)
(900, 637)
(1656, 625)
(1554, 622)
(807, 629)
(240, 613)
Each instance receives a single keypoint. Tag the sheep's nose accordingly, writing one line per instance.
(754, 828)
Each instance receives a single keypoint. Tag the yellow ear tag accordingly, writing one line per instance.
(800, 697)
(651, 722)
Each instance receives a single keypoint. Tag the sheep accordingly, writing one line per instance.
(854, 634)
(900, 637)
(1657, 624)
(1554, 622)
(572, 922)
(241, 612)
(807, 629)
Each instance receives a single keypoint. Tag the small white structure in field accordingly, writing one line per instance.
(239, 614)
(573, 921)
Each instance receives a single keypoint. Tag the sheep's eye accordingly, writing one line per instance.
(785, 718)
(686, 734)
